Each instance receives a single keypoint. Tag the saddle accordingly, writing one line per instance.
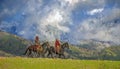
(38, 47)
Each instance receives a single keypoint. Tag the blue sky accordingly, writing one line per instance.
(68, 20)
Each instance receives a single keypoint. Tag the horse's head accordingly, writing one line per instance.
(46, 44)
(66, 45)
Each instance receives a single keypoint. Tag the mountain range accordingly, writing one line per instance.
(12, 45)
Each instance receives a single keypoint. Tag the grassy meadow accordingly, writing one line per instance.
(45, 63)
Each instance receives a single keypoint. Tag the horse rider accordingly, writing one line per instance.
(57, 45)
(37, 41)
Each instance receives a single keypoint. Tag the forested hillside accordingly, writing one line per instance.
(12, 44)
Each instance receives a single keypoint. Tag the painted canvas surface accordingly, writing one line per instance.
(59, 34)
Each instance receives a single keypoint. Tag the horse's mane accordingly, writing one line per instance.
(64, 43)
(44, 43)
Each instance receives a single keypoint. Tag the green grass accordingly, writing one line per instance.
(45, 63)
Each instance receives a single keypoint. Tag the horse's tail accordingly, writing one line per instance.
(26, 51)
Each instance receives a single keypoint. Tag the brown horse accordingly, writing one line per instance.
(38, 49)
(51, 50)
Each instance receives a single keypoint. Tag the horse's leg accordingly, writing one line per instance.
(43, 55)
(39, 54)
(63, 56)
(26, 51)
(56, 54)
(29, 53)
(59, 55)
(48, 54)
(34, 53)
(51, 55)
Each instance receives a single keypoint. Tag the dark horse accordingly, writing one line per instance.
(38, 49)
(51, 50)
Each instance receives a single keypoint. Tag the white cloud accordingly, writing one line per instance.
(51, 21)
(72, 2)
(103, 28)
(111, 14)
(55, 18)
(95, 11)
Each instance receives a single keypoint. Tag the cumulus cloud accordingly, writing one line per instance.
(47, 19)
(54, 18)
(51, 21)
(104, 28)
